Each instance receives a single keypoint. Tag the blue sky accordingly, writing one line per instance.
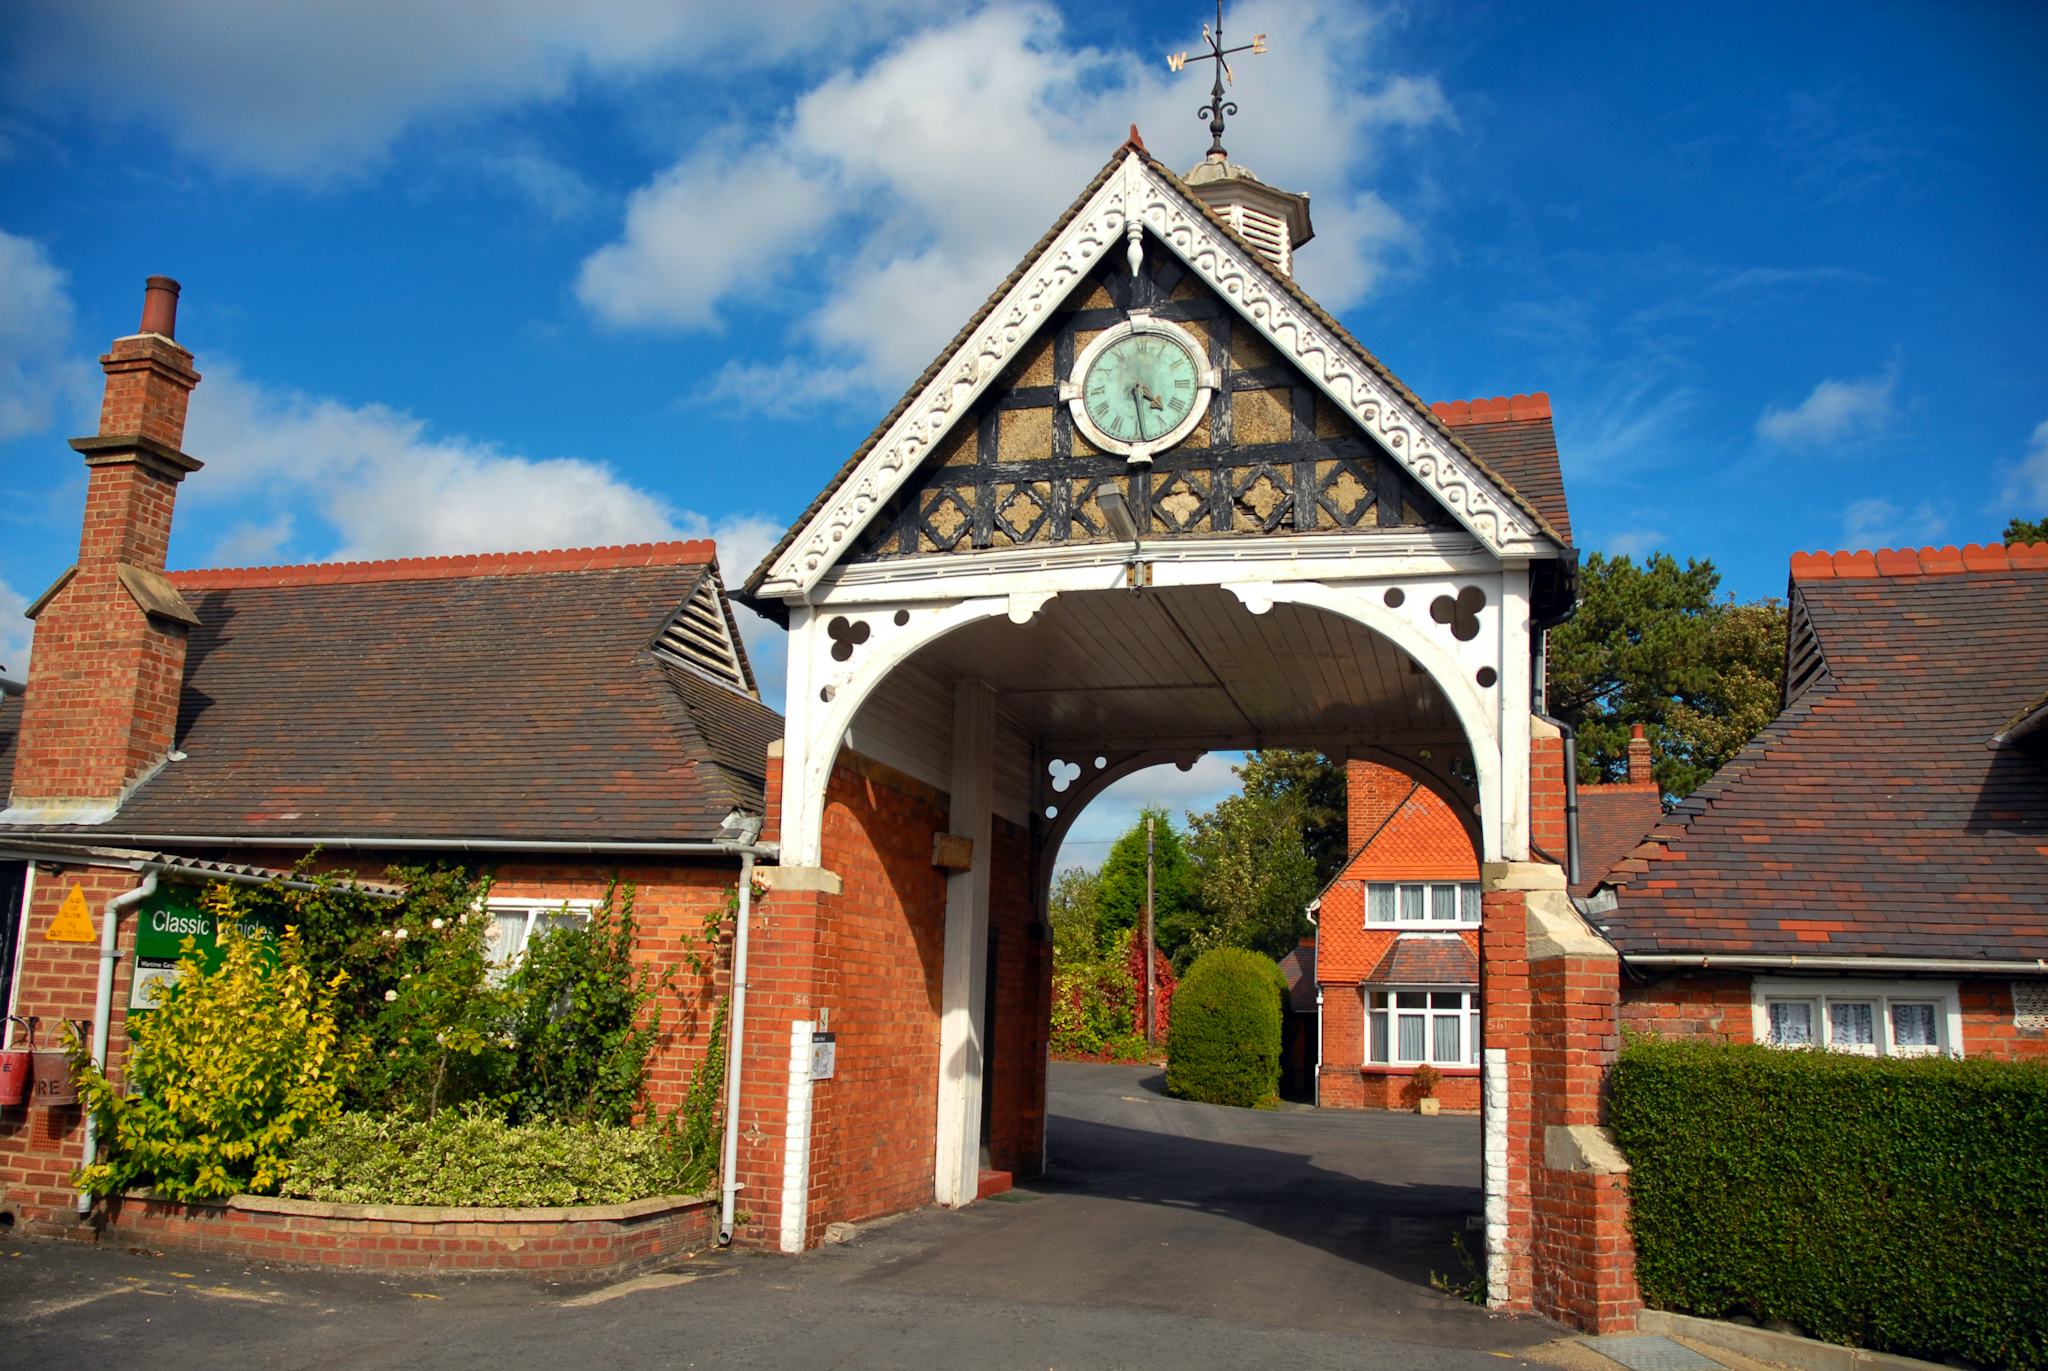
(474, 275)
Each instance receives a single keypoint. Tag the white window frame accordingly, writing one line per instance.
(1467, 898)
(496, 908)
(1468, 1012)
(1880, 995)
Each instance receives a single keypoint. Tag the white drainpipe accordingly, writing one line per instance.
(103, 1001)
(735, 1040)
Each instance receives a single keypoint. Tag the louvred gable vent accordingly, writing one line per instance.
(700, 638)
(1264, 232)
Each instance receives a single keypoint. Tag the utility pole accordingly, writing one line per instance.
(1151, 1016)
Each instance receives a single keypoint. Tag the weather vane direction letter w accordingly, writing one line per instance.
(1217, 107)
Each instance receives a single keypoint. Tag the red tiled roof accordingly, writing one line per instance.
(1426, 960)
(696, 552)
(1612, 820)
(1875, 816)
(506, 697)
(1513, 435)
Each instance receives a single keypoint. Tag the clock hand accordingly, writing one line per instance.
(1138, 411)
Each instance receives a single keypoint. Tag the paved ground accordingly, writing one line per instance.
(1167, 1234)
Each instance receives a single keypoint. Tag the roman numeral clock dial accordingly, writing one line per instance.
(1140, 387)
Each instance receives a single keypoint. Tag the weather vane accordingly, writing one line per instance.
(1217, 107)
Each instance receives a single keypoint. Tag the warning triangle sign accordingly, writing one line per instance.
(73, 923)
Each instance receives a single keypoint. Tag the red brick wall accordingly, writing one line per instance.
(586, 1246)
(102, 705)
(873, 955)
(40, 1149)
(1988, 1028)
(1023, 1008)
(149, 385)
(1718, 1004)
(881, 963)
(1583, 1260)
(1546, 800)
(1506, 1025)
(1688, 1004)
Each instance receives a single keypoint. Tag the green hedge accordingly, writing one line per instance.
(1223, 1044)
(470, 1157)
(1892, 1204)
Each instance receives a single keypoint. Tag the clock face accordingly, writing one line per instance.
(1140, 387)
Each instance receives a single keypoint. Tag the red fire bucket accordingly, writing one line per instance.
(15, 1074)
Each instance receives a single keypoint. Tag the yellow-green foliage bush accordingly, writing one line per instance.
(468, 1156)
(224, 1078)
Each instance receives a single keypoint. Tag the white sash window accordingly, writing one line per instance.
(1872, 1018)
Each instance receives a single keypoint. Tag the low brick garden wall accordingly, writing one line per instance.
(591, 1242)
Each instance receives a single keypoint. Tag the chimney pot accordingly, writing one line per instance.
(160, 307)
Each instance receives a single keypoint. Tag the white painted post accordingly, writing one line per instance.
(964, 988)
(796, 1138)
(803, 800)
(1515, 687)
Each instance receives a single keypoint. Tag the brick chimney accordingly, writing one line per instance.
(101, 708)
(1372, 793)
(1641, 765)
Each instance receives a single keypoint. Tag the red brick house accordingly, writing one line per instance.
(1870, 874)
(559, 718)
(1397, 957)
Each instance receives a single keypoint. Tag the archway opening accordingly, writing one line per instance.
(1094, 687)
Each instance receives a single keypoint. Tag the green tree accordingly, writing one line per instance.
(2027, 530)
(1073, 908)
(1315, 784)
(1254, 875)
(1656, 645)
(1120, 885)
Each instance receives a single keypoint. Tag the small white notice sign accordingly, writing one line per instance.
(824, 1056)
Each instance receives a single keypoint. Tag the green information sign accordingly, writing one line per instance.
(163, 923)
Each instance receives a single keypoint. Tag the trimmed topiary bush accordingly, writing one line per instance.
(1883, 1203)
(1223, 1046)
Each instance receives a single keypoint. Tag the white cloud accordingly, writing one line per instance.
(1875, 521)
(307, 91)
(1111, 814)
(375, 482)
(39, 379)
(912, 185)
(553, 187)
(1836, 411)
(1636, 542)
(696, 233)
(791, 386)
(2027, 484)
(14, 633)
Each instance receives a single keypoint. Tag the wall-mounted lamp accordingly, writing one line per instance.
(1137, 572)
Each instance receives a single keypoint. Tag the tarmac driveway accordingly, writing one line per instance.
(1302, 1218)
(1168, 1235)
